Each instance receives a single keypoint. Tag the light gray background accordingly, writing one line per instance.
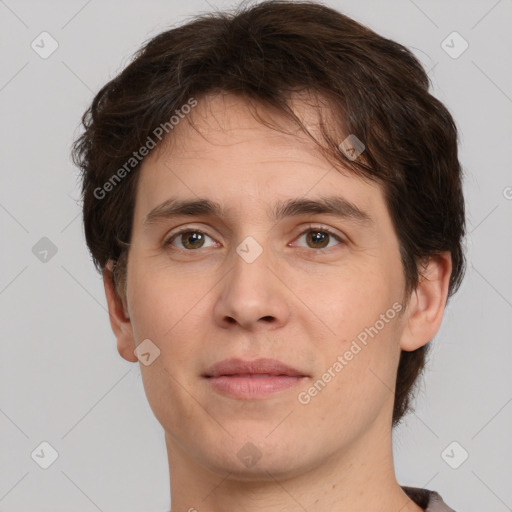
(61, 378)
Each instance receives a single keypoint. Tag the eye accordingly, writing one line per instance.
(189, 239)
(319, 238)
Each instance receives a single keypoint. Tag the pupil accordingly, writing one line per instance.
(190, 238)
(318, 237)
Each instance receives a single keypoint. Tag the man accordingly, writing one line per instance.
(275, 202)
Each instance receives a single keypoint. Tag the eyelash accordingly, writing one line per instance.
(168, 241)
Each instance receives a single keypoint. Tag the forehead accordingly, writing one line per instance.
(231, 155)
(224, 123)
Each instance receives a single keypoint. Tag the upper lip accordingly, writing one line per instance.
(257, 366)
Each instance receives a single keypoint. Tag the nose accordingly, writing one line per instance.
(252, 296)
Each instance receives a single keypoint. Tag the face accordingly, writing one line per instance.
(316, 289)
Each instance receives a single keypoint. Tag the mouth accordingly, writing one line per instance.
(255, 379)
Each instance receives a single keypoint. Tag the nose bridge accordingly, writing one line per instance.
(251, 292)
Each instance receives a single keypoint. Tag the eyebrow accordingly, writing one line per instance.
(331, 205)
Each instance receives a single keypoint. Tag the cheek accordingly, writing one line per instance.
(166, 311)
(361, 350)
(161, 301)
(347, 300)
(170, 311)
(356, 385)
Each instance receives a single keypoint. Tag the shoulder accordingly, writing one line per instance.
(430, 501)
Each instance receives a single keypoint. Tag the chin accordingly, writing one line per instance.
(260, 457)
(279, 468)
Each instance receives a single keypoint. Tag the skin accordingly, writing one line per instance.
(296, 302)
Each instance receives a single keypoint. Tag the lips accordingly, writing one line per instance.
(248, 380)
(256, 368)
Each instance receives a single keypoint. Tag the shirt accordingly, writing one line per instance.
(430, 501)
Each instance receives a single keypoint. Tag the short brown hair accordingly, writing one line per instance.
(375, 88)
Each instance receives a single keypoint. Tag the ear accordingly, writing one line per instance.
(425, 310)
(119, 319)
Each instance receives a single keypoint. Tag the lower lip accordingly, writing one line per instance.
(253, 387)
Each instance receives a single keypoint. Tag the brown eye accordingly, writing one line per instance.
(188, 239)
(192, 239)
(320, 238)
(317, 239)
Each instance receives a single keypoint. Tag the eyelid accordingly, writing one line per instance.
(329, 230)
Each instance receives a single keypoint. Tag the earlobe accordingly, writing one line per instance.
(427, 303)
(119, 318)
